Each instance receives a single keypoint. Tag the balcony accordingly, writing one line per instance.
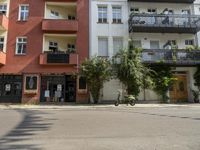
(164, 1)
(172, 57)
(3, 22)
(49, 58)
(60, 25)
(2, 58)
(153, 23)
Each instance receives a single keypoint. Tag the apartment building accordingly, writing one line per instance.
(43, 43)
(158, 27)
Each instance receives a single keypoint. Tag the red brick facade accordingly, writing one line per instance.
(33, 62)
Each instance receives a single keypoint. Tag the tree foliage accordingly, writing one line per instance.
(96, 71)
(162, 79)
(197, 78)
(129, 69)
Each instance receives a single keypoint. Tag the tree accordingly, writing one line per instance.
(129, 69)
(197, 78)
(96, 71)
(163, 79)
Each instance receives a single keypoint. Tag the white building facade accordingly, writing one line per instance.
(156, 26)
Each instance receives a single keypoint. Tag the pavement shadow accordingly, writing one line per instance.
(32, 123)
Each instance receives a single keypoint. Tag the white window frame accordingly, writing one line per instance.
(54, 14)
(107, 46)
(117, 39)
(102, 12)
(188, 42)
(25, 11)
(53, 44)
(117, 15)
(21, 42)
(3, 8)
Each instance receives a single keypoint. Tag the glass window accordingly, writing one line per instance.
(189, 42)
(117, 14)
(102, 14)
(3, 8)
(54, 14)
(103, 47)
(117, 44)
(137, 43)
(23, 12)
(1, 43)
(53, 46)
(71, 48)
(21, 45)
(134, 10)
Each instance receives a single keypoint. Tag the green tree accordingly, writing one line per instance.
(96, 71)
(130, 70)
(162, 79)
(197, 78)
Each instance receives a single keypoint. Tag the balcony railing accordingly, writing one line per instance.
(164, 23)
(58, 58)
(173, 57)
(164, 1)
(3, 22)
(60, 25)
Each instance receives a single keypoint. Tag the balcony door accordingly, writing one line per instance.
(179, 90)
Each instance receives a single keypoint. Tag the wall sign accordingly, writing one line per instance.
(31, 84)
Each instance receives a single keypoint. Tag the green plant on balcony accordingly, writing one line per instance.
(190, 48)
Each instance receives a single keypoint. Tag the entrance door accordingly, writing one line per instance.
(70, 92)
(178, 91)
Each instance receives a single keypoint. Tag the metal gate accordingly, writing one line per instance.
(10, 88)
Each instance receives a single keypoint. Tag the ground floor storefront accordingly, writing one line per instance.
(40, 88)
(180, 91)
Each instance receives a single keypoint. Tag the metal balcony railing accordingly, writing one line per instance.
(164, 1)
(164, 23)
(178, 57)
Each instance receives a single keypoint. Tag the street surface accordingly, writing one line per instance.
(99, 128)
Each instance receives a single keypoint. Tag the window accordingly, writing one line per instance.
(134, 10)
(71, 48)
(102, 14)
(137, 43)
(82, 83)
(117, 44)
(189, 42)
(54, 14)
(151, 11)
(71, 17)
(3, 8)
(23, 12)
(154, 45)
(1, 43)
(53, 46)
(103, 47)
(21, 45)
(117, 14)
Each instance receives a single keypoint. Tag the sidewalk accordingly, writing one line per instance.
(91, 106)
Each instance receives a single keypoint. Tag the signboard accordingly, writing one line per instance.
(7, 87)
(47, 93)
(59, 87)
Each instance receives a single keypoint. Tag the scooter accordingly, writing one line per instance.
(127, 99)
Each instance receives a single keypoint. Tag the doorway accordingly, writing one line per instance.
(58, 89)
(179, 90)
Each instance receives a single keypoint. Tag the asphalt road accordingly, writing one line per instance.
(174, 128)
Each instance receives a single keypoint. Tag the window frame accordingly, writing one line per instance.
(17, 42)
(118, 19)
(20, 11)
(2, 43)
(102, 20)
